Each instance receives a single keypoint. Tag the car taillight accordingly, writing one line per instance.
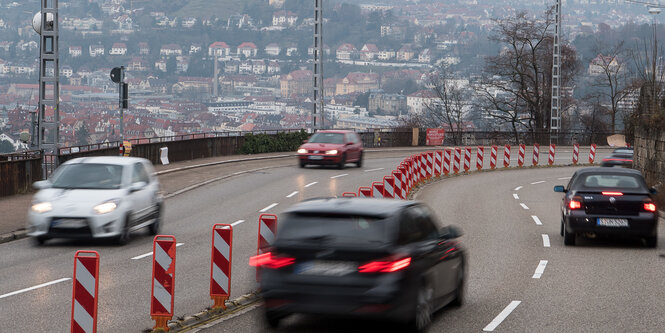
(385, 266)
(575, 203)
(650, 207)
(614, 194)
(271, 261)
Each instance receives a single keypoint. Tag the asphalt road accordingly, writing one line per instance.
(504, 252)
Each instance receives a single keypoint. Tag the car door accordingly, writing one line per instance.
(352, 149)
(415, 233)
(141, 197)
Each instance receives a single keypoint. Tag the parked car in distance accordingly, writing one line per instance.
(332, 147)
(96, 197)
(621, 157)
(376, 258)
(608, 201)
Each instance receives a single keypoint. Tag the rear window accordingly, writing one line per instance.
(334, 229)
(606, 181)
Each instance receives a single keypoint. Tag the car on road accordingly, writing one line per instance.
(621, 157)
(608, 201)
(96, 197)
(367, 257)
(332, 147)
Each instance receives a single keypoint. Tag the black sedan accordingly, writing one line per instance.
(366, 257)
(621, 157)
(608, 201)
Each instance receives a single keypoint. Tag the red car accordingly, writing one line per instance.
(332, 147)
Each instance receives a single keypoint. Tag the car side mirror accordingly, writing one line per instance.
(450, 232)
(349, 143)
(42, 184)
(653, 190)
(137, 186)
(560, 188)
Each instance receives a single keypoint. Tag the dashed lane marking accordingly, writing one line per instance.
(524, 206)
(292, 194)
(237, 222)
(34, 287)
(546, 240)
(540, 269)
(518, 188)
(377, 169)
(516, 196)
(269, 207)
(536, 219)
(310, 184)
(538, 182)
(338, 176)
(502, 316)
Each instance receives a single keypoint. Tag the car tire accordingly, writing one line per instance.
(39, 240)
(153, 229)
(651, 241)
(360, 160)
(568, 237)
(459, 291)
(125, 234)
(273, 319)
(342, 162)
(561, 232)
(302, 164)
(423, 311)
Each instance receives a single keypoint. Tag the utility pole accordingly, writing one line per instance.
(118, 76)
(555, 124)
(318, 108)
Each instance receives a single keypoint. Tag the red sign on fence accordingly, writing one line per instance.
(435, 136)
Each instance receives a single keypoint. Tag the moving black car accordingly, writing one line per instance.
(622, 157)
(612, 201)
(366, 257)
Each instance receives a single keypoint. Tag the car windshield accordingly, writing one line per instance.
(334, 229)
(327, 138)
(88, 176)
(609, 181)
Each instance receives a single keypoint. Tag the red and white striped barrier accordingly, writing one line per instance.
(423, 166)
(438, 162)
(163, 280)
(456, 165)
(506, 156)
(389, 187)
(592, 153)
(493, 156)
(520, 156)
(348, 195)
(552, 154)
(413, 177)
(479, 157)
(399, 184)
(446, 161)
(266, 236)
(430, 164)
(406, 188)
(576, 153)
(536, 154)
(467, 159)
(377, 189)
(220, 264)
(364, 192)
(85, 292)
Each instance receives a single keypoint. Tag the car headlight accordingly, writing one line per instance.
(106, 207)
(42, 207)
(331, 152)
(302, 151)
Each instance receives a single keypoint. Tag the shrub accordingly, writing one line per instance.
(269, 143)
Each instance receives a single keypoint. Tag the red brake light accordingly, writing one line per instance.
(650, 207)
(574, 204)
(616, 194)
(385, 266)
(268, 260)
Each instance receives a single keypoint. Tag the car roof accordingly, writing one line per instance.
(117, 160)
(353, 206)
(335, 131)
(607, 170)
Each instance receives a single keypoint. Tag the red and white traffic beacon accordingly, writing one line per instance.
(163, 280)
(85, 292)
(220, 264)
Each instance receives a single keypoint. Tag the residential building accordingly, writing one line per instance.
(248, 49)
(170, 50)
(144, 49)
(75, 51)
(195, 48)
(259, 67)
(346, 51)
(326, 50)
(219, 49)
(387, 104)
(425, 56)
(418, 102)
(296, 83)
(284, 18)
(96, 50)
(598, 65)
(405, 53)
(118, 49)
(273, 68)
(273, 49)
(386, 55)
(368, 52)
(357, 82)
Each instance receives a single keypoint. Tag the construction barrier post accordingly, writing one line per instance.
(84, 292)
(220, 264)
(479, 157)
(467, 159)
(389, 187)
(456, 165)
(348, 195)
(536, 154)
(438, 162)
(266, 236)
(364, 192)
(493, 157)
(399, 185)
(506, 156)
(520, 155)
(377, 189)
(592, 153)
(163, 281)
(552, 154)
(576, 153)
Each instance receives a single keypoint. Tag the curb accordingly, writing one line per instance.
(14, 235)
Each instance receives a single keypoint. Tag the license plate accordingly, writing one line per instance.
(606, 222)
(326, 268)
(69, 223)
(316, 157)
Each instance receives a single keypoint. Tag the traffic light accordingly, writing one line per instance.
(125, 96)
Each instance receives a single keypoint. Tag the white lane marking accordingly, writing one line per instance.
(516, 196)
(536, 219)
(546, 240)
(518, 188)
(524, 206)
(342, 175)
(150, 253)
(268, 208)
(35, 287)
(538, 182)
(237, 222)
(502, 316)
(310, 184)
(377, 169)
(292, 194)
(564, 178)
(540, 269)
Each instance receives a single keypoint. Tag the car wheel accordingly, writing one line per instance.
(561, 232)
(459, 291)
(124, 236)
(302, 164)
(342, 162)
(156, 225)
(568, 237)
(360, 161)
(423, 311)
(39, 240)
(651, 241)
(273, 319)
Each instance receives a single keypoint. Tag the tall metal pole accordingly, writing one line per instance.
(121, 92)
(654, 100)
(555, 124)
(318, 108)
